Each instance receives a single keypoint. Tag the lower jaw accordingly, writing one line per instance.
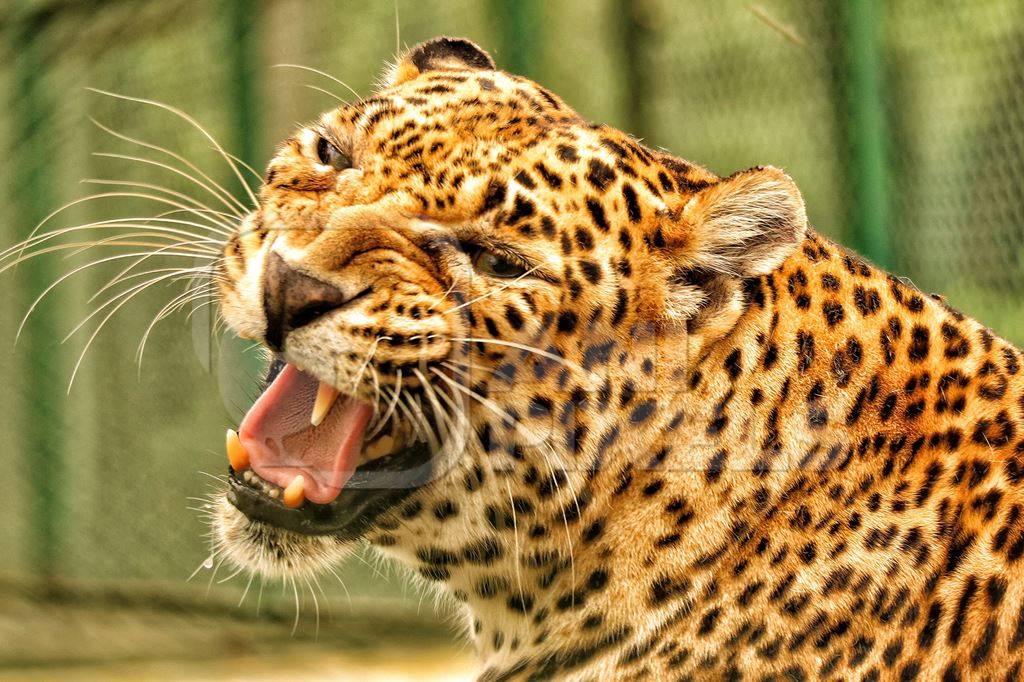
(373, 489)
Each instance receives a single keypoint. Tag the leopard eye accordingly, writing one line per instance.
(329, 155)
(496, 266)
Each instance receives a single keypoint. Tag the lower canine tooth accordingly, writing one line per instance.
(325, 397)
(238, 457)
(381, 446)
(294, 494)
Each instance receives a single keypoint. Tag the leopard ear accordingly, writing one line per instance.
(744, 225)
(440, 53)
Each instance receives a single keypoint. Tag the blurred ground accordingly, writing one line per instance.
(300, 663)
(79, 632)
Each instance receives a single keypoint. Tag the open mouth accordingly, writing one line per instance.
(310, 460)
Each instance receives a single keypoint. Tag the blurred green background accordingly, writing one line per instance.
(902, 122)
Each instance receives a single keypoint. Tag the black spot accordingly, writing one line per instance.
(867, 300)
(514, 317)
(494, 195)
(597, 354)
(914, 409)
(805, 350)
(524, 179)
(666, 181)
(733, 364)
(584, 239)
(833, 311)
(716, 465)
(892, 653)
(717, 424)
(521, 603)
(888, 351)
(567, 153)
(643, 411)
(830, 282)
(708, 622)
(553, 180)
(654, 487)
(547, 226)
(918, 349)
(593, 531)
(591, 270)
(665, 588)
(985, 642)
(817, 416)
(597, 214)
(599, 174)
(435, 556)
(540, 406)
(597, 580)
(445, 510)
(567, 321)
(411, 510)
(622, 299)
(632, 205)
(483, 552)
(857, 408)
(995, 590)
(521, 208)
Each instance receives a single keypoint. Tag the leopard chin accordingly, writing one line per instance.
(261, 548)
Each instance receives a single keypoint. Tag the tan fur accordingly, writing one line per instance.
(753, 456)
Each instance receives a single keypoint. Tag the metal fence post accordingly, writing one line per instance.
(42, 416)
(519, 28)
(243, 62)
(861, 39)
(634, 35)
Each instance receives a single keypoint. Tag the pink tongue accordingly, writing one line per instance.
(282, 443)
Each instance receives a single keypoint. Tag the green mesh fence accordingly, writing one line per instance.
(903, 123)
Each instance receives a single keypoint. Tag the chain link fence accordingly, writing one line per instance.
(903, 123)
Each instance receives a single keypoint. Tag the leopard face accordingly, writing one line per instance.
(638, 418)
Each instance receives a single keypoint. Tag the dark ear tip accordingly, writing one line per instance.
(432, 53)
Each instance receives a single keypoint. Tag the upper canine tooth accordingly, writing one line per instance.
(325, 397)
(295, 494)
(238, 457)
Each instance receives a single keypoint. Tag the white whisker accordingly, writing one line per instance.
(326, 92)
(220, 222)
(126, 296)
(195, 124)
(316, 607)
(492, 292)
(233, 205)
(391, 407)
(64, 277)
(191, 166)
(246, 167)
(245, 592)
(295, 590)
(321, 73)
(519, 346)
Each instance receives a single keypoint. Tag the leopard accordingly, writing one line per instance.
(634, 419)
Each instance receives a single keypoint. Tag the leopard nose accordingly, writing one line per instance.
(292, 299)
